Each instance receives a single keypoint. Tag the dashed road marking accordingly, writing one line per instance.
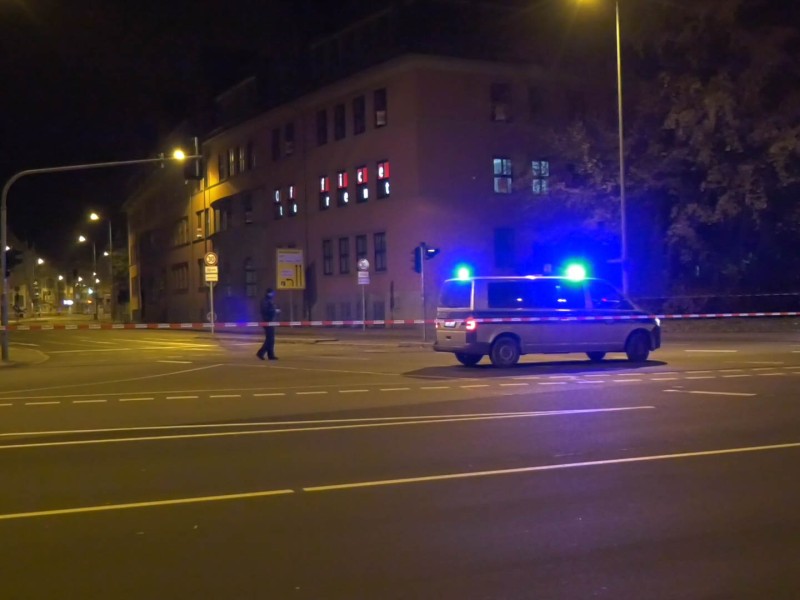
(41, 403)
(394, 389)
(98, 401)
(706, 393)
(182, 397)
(352, 391)
(435, 387)
(312, 393)
(269, 394)
(513, 385)
(135, 399)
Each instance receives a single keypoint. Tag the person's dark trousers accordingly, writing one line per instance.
(268, 347)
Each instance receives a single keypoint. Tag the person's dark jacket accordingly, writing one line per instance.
(268, 310)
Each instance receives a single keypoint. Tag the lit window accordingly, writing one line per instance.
(278, 203)
(324, 192)
(362, 187)
(342, 194)
(293, 206)
(242, 159)
(502, 175)
(383, 188)
(540, 175)
(232, 161)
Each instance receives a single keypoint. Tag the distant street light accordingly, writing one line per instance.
(110, 254)
(82, 239)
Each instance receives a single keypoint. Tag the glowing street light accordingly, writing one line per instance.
(93, 216)
(82, 239)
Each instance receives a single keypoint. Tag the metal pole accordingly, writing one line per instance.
(94, 278)
(363, 309)
(211, 302)
(422, 288)
(111, 270)
(622, 208)
(4, 223)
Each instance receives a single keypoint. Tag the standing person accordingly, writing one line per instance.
(268, 313)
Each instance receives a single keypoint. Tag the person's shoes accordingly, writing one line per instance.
(272, 357)
(260, 356)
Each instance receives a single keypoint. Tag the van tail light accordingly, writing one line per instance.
(471, 324)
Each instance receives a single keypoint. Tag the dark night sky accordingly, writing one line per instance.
(101, 80)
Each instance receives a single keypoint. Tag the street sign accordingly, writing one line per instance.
(363, 277)
(363, 264)
(290, 269)
(211, 273)
(210, 259)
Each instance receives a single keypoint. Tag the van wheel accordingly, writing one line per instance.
(596, 356)
(468, 360)
(505, 352)
(638, 347)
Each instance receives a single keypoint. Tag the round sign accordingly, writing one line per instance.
(210, 259)
(363, 264)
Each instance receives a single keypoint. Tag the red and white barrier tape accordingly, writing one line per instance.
(378, 322)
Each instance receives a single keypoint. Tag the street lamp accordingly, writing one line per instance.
(82, 239)
(110, 254)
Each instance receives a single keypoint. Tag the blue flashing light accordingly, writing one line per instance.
(576, 272)
(463, 272)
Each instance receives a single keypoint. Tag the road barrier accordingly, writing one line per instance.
(382, 322)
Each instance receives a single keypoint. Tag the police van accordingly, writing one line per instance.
(506, 317)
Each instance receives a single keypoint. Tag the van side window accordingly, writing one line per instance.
(536, 293)
(456, 294)
(562, 294)
(604, 295)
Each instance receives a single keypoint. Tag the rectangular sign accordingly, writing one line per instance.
(290, 269)
(363, 277)
(211, 273)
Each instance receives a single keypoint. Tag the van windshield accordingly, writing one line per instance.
(456, 294)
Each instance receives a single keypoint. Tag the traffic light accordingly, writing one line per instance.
(13, 258)
(423, 252)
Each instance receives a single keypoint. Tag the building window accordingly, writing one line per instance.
(501, 102)
(540, 176)
(222, 217)
(322, 127)
(359, 115)
(232, 164)
(502, 175)
(180, 233)
(247, 208)
(379, 247)
(344, 255)
(180, 277)
(222, 165)
(276, 144)
(280, 212)
(250, 283)
(362, 185)
(381, 108)
(383, 189)
(294, 208)
(199, 225)
(288, 139)
(342, 194)
(327, 257)
(361, 247)
(324, 192)
(339, 122)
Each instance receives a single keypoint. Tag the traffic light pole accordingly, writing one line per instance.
(422, 288)
(4, 222)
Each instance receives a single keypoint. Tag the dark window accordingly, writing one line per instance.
(380, 103)
(327, 257)
(250, 283)
(344, 255)
(276, 144)
(362, 184)
(383, 187)
(534, 102)
(503, 247)
(604, 295)
(456, 294)
(503, 177)
(247, 208)
(288, 139)
(250, 156)
(501, 101)
(361, 247)
(339, 122)
(222, 165)
(536, 293)
(359, 115)
(379, 247)
(322, 127)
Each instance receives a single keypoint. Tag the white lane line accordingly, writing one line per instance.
(772, 374)
(352, 391)
(702, 377)
(176, 362)
(474, 385)
(8, 404)
(225, 396)
(435, 387)
(98, 401)
(261, 395)
(41, 403)
(731, 370)
(395, 389)
(734, 376)
(591, 463)
(134, 399)
(174, 501)
(711, 393)
(625, 380)
(182, 397)
(514, 384)
(697, 372)
(598, 375)
(314, 393)
(590, 381)
(792, 367)
(664, 378)
(561, 377)
(552, 383)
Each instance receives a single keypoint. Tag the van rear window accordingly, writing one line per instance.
(456, 294)
(536, 293)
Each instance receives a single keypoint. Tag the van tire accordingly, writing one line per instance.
(505, 352)
(468, 360)
(638, 347)
(596, 356)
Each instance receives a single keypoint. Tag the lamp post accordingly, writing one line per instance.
(94, 217)
(82, 239)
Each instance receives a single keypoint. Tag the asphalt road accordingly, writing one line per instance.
(149, 464)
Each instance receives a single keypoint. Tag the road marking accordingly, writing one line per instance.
(314, 393)
(435, 387)
(772, 374)
(732, 376)
(175, 501)
(664, 378)
(352, 391)
(590, 381)
(182, 397)
(395, 389)
(270, 394)
(702, 377)
(696, 372)
(41, 403)
(556, 467)
(134, 399)
(474, 385)
(731, 370)
(225, 396)
(176, 362)
(514, 385)
(624, 380)
(552, 383)
(711, 393)
(711, 351)
(89, 401)
(8, 404)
